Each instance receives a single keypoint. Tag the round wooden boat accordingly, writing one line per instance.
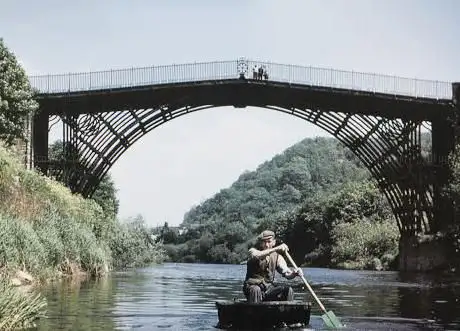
(243, 315)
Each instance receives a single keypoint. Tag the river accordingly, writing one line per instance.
(181, 297)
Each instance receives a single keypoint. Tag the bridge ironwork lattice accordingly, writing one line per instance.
(209, 71)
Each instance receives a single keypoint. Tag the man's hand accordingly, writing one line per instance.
(298, 272)
(292, 273)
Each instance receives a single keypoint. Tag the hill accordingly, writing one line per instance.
(310, 166)
(316, 195)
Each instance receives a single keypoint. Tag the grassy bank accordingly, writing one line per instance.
(48, 232)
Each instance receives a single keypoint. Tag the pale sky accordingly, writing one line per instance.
(188, 160)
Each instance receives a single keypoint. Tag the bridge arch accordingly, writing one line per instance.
(384, 133)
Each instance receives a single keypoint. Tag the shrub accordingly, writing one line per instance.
(362, 241)
(133, 245)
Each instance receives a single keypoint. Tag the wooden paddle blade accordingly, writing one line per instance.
(331, 320)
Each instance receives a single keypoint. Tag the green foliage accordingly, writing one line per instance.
(47, 229)
(310, 229)
(20, 245)
(19, 310)
(168, 235)
(105, 194)
(280, 184)
(132, 245)
(44, 228)
(220, 253)
(51, 243)
(363, 241)
(16, 97)
(303, 194)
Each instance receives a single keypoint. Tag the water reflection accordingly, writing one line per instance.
(80, 305)
(182, 296)
(437, 298)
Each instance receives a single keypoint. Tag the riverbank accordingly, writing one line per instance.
(49, 233)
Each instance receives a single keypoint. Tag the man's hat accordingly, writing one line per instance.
(267, 234)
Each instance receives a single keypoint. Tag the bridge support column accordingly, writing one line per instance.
(434, 250)
(423, 253)
(455, 236)
(40, 141)
(443, 143)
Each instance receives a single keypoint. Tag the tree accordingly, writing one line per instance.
(168, 235)
(105, 193)
(16, 97)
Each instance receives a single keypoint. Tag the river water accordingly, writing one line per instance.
(181, 297)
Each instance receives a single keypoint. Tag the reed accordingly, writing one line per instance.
(19, 309)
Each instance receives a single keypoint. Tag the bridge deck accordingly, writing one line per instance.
(245, 92)
(201, 73)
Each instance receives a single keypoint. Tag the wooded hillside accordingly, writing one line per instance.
(316, 195)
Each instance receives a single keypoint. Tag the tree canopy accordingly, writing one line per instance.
(16, 97)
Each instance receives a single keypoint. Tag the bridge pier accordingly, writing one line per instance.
(443, 143)
(423, 253)
(40, 141)
(434, 251)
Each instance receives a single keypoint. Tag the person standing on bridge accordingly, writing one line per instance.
(261, 266)
(265, 72)
(255, 72)
(260, 73)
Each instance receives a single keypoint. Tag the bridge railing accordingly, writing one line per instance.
(353, 80)
(194, 72)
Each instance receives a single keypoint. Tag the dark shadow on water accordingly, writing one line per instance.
(438, 298)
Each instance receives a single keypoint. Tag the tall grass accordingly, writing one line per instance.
(19, 309)
(45, 228)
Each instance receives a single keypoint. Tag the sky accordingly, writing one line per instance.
(189, 159)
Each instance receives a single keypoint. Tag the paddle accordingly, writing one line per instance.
(329, 317)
